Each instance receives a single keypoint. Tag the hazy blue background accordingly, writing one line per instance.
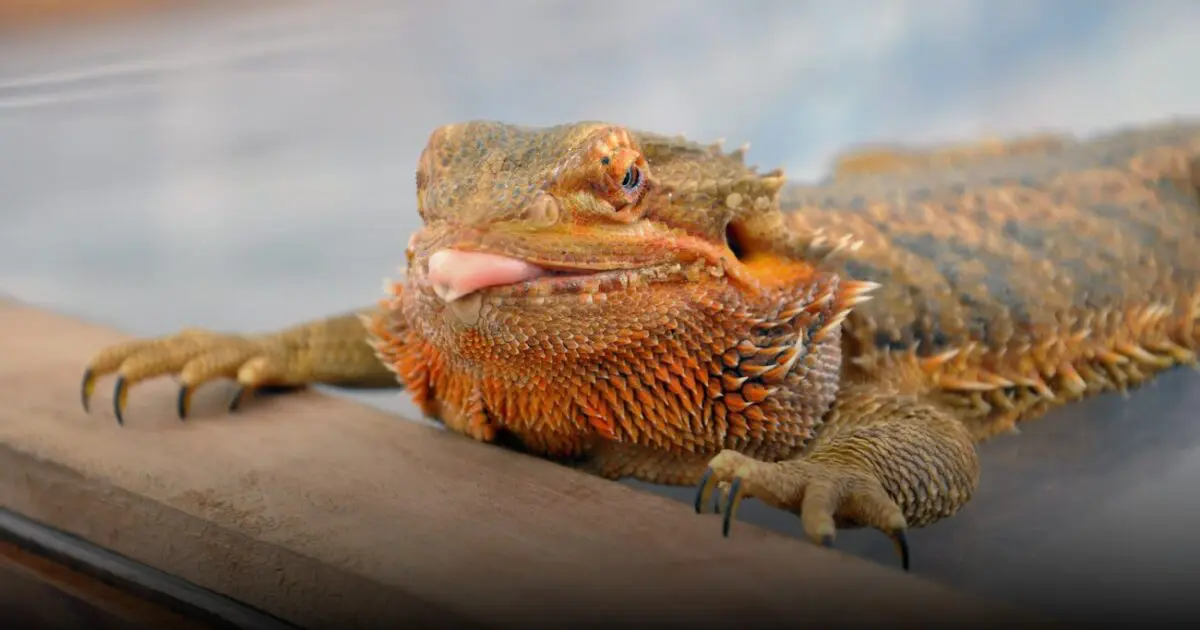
(248, 170)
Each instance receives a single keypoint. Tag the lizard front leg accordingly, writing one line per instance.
(882, 459)
(333, 351)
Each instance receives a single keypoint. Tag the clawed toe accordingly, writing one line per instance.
(900, 541)
(183, 402)
(86, 388)
(732, 500)
(194, 357)
(728, 501)
(704, 490)
(120, 397)
(726, 504)
(238, 397)
(822, 496)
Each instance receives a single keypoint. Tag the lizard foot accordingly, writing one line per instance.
(196, 356)
(824, 495)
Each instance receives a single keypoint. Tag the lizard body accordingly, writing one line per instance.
(1048, 276)
(641, 305)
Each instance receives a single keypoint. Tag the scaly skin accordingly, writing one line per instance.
(710, 326)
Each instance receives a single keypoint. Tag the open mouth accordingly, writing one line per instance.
(455, 274)
(466, 280)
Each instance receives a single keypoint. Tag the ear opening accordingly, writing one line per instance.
(734, 241)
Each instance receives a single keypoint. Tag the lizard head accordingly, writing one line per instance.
(555, 259)
(514, 211)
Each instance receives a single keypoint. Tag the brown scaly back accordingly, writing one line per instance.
(880, 159)
(1013, 283)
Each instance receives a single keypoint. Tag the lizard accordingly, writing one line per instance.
(635, 304)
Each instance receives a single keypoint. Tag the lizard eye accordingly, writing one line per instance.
(633, 179)
(626, 178)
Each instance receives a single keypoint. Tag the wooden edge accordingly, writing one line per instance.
(59, 581)
(326, 513)
(118, 585)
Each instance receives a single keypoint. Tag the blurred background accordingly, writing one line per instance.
(247, 165)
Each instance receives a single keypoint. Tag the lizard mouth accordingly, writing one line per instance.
(457, 274)
(460, 276)
(464, 279)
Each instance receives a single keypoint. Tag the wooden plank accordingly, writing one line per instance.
(327, 513)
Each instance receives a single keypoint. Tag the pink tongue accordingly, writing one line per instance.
(455, 273)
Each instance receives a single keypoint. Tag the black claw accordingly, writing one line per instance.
(704, 481)
(727, 512)
(901, 540)
(237, 399)
(119, 394)
(85, 389)
(183, 401)
(827, 541)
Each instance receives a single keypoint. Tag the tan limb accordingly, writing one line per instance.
(882, 459)
(332, 351)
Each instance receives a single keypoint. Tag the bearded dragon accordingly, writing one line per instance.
(636, 304)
